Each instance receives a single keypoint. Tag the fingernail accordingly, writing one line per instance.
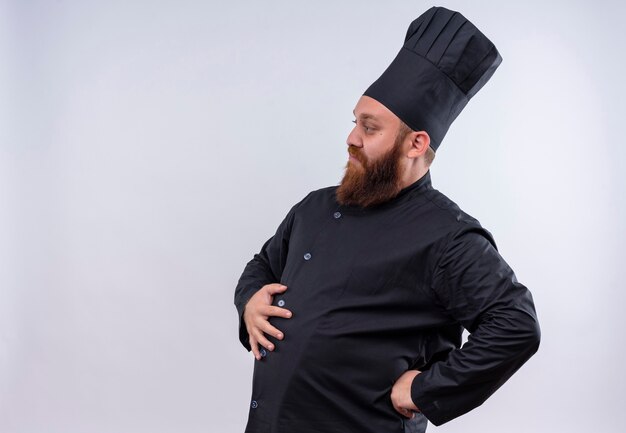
(270, 347)
(279, 335)
(288, 314)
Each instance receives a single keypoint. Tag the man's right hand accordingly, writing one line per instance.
(256, 316)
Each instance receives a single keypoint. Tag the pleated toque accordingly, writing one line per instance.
(444, 62)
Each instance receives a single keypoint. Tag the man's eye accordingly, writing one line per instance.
(365, 127)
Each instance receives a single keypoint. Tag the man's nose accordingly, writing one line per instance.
(354, 139)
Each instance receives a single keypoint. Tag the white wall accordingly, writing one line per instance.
(147, 149)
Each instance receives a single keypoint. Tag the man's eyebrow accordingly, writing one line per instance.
(365, 116)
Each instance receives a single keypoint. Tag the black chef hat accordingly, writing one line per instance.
(445, 61)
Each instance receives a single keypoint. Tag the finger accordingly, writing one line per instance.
(407, 413)
(271, 330)
(270, 310)
(265, 342)
(254, 347)
(404, 412)
(272, 289)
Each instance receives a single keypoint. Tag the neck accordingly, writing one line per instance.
(412, 174)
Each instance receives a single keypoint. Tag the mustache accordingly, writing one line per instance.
(357, 153)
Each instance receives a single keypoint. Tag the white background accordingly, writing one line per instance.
(149, 148)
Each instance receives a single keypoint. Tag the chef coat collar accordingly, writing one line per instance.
(417, 187)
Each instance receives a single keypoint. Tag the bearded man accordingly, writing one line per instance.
(355, 308)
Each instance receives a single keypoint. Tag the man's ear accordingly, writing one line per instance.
(420, 140)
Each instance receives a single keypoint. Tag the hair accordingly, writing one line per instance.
(405, 129)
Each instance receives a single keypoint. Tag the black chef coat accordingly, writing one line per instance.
(375, 292)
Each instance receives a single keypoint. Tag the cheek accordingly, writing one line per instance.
(378, 148)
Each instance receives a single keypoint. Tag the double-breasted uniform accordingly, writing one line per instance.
(375, 292)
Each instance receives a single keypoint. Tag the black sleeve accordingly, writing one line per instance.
(478, 289)
(266, 267)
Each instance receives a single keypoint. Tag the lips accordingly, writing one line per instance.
(356, 155)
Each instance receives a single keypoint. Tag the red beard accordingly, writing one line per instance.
(371, 182)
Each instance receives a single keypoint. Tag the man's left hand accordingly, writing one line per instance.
(401, 394)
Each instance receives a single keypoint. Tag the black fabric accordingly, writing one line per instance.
(444, 62)
(375, 292)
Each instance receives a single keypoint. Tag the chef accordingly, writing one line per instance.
(355, 308)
